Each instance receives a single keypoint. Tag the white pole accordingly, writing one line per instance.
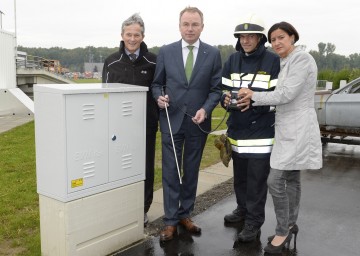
(173, 144)
(15, 29)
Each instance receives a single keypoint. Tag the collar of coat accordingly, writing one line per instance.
(143, 48)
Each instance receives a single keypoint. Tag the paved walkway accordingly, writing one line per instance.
(9, 122)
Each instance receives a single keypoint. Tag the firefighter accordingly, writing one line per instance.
(251, 133)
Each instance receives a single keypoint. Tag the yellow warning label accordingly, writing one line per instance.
(77, 183)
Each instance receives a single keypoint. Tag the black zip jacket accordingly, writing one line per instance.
(118, 68)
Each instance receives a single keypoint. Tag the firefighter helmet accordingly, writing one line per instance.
(251, 24)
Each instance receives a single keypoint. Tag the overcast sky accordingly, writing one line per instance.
(80, 23)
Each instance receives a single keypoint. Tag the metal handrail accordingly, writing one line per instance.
(36, 62)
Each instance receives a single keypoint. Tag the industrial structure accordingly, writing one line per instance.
(19, 72)
(13, 101)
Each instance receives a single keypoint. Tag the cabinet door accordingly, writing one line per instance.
(127, 115)
(87, 140)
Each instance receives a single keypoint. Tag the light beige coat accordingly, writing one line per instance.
(297, 136)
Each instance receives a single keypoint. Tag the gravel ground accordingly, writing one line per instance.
(202, 203)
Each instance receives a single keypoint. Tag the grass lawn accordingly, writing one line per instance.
(19, 208)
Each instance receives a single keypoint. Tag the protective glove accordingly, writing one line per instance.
(223, 144)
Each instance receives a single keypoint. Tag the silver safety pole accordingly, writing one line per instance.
(173, 144)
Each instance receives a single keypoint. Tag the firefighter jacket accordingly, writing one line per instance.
(251, 133)
(118, 68)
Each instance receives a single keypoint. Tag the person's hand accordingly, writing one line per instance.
(227, 99)
(162, 100)
(244, 96)
(199, 116)
(245, 93)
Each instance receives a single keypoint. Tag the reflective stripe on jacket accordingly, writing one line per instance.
(261, 81)
(256, 146)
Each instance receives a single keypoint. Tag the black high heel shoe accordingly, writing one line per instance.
(293, 230)
(269, 248)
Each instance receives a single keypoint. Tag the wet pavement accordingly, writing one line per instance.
(329, 219)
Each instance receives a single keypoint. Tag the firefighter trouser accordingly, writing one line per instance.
(250, 177)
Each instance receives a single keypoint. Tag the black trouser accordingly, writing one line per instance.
(250, 176)
(149, 169)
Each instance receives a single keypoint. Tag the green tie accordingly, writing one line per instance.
(189, 62)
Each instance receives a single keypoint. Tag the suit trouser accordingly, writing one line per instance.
(285, 189)
(179, 198)
(149, 169)
(250, 176)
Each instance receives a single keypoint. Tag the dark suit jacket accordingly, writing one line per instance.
(203, 90)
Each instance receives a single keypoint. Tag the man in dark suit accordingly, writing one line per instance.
(189, 102)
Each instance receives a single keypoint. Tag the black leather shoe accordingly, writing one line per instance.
(249, 233)
(234, 217)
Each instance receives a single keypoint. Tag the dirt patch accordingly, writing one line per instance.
(7, 250)
(202, 203)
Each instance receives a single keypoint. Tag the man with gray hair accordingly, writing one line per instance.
(134, 64)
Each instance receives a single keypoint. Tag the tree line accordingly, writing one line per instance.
(332, 67)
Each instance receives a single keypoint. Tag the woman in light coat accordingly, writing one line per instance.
(297, 136)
